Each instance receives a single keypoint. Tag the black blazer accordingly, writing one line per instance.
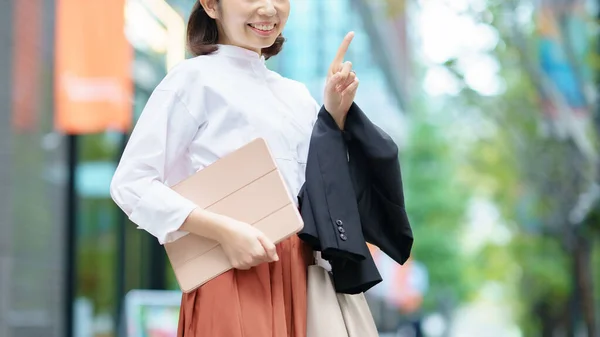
(352, 195)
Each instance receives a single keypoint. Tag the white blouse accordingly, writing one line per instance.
(205, 108)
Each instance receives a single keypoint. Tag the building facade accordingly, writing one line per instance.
(32, 180)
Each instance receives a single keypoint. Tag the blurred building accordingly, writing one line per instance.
(68, 256)
(315, 31)
(32, 180)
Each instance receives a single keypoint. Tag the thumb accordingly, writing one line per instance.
(269, 247)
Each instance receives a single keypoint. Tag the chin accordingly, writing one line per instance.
(268, 44)
(261, 42)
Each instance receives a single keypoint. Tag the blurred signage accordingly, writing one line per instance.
(93, 179)
(403, 286)
(93, 84)
(152, 313)
(27, 64)
(563, 47)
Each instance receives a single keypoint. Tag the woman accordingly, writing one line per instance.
(205, 108)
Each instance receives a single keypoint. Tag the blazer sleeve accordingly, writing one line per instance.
(377, 181)
(327, 199)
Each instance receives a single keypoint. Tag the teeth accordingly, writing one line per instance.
(263, 27)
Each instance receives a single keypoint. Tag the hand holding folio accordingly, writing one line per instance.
(246, 246)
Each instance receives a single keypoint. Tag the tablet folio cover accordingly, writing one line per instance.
(245, 185)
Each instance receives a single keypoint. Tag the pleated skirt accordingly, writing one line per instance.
(268, 300)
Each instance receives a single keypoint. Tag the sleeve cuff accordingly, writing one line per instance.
(161, 212)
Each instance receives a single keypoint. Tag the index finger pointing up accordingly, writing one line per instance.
(341, 53)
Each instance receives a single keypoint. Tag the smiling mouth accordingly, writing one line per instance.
(262, 27)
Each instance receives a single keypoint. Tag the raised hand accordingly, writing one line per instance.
(341, 85)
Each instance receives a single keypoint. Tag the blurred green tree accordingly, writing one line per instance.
(537, 174)
(436, 202)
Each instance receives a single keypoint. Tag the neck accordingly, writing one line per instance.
(225, 42)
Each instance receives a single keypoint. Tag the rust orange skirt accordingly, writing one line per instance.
(268, 300)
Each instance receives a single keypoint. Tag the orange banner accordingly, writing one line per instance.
(93, 84)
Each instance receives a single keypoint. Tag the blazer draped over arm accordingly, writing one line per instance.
(353, 194)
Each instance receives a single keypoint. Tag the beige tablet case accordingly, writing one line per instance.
(244, 185)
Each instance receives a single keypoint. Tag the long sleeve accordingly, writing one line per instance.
(377, 181)
(159, 140)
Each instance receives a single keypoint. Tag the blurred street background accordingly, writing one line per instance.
(493, 103)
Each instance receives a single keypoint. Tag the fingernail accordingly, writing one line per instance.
(276, 257)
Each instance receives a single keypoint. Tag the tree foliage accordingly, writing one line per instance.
(436, 202)
(533, 175)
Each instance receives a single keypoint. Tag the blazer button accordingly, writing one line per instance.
(339, 222)
(343, 237)
(341, 230)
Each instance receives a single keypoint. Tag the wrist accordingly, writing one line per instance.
(338, 117)
(225, 228)
(340, 121)
(208, 224)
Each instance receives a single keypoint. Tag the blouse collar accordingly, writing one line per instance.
(239, 52)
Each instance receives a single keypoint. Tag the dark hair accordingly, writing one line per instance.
(203, 35)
